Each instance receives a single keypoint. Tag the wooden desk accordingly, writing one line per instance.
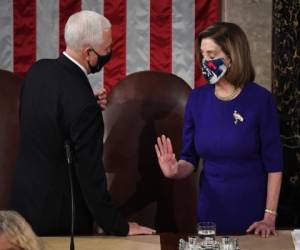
(149, 242)
(165, 241)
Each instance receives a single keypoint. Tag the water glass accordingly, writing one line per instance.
(192, 242)
(209, 244)
(206, 229)
(227, 244)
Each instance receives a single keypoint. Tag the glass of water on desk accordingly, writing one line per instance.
(206, 229)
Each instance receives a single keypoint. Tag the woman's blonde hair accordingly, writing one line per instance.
(234, 43)
(18, 231)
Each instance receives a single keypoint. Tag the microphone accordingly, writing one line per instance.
(69, 159)
(68, 152)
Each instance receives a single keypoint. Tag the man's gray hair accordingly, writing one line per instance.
(85, 28)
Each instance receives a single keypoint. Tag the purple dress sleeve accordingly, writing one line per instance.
(270, 144)
(188, 152)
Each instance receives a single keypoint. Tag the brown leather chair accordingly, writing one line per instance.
(10, 86)
(141, 107)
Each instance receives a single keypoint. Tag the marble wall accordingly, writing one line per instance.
(286, 88)
(255, 18)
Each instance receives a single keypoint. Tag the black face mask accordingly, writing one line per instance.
(101, 61)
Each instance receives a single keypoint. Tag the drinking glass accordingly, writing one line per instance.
(227, 243)
(206, 229)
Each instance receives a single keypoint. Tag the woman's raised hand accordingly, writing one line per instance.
(166, 157)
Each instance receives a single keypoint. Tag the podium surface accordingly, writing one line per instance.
(165, 241)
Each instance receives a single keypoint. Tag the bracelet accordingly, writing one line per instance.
(269, 211)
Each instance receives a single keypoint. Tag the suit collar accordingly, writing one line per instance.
(71, 66)
(74, 61)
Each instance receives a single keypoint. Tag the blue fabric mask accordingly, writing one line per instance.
(213, 69)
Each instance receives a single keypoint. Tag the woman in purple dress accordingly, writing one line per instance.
(232, 125)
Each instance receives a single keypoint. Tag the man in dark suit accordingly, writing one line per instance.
(58, 104)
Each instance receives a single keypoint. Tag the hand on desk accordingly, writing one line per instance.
(265, 227)
(101, 98)
(136, 229)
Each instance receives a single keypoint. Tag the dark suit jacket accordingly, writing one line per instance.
(57, 103)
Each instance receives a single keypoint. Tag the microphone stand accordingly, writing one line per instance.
(69, 162)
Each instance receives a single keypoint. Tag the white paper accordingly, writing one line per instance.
(296, 238)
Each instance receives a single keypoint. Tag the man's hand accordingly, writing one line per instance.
(101, 98)
(136, 229)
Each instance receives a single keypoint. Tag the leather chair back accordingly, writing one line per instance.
(141, 107)
(10, 86)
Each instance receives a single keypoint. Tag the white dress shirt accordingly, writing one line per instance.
(77, 63)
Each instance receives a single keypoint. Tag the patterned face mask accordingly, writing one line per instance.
(213, 69)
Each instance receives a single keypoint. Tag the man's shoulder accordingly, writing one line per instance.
(44, 67)
(44, 62)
